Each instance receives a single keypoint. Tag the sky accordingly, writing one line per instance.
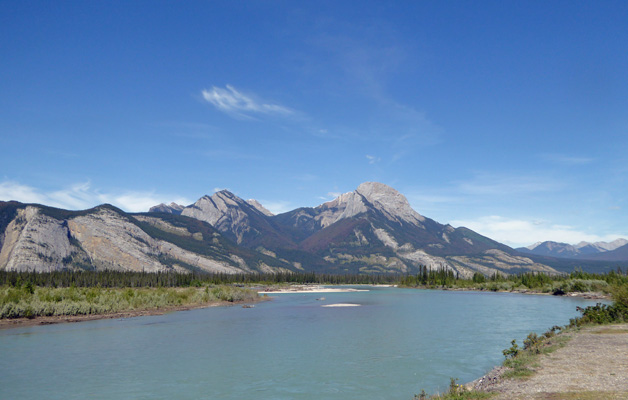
(507, 117)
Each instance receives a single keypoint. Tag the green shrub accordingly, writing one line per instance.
(532, 343)
(512, 351)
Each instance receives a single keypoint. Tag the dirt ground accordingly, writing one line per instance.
(593, 365)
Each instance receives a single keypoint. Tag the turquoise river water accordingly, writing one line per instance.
(396, 343)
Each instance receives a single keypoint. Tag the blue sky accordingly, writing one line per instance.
(510, 118)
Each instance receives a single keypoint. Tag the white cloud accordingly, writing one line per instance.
(10, 190)
(233, 102)
(142, 201)
(77, 196)
(330, 196)
(497, 185)
(567, 160)
(277, 207)
(523, 232)
(372, 159)
(82, 196)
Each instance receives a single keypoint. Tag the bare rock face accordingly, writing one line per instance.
(102, 239)
(225, 212)
(392, 204)
(113, 243)
(34, 242)
(344, 206)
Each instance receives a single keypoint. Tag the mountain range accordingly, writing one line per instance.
(370, 230)
(616, 250)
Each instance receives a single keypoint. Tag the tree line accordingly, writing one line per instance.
(124, 279)
(425, 277)
(577, 281)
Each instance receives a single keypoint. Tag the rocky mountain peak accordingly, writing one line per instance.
(369, 195)
(214, 208)
(390, 202)
(226, 212)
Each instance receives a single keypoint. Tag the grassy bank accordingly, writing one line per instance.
(29, 301)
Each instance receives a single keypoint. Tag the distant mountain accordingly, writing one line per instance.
(172, 208)
(370, 230)
(580, 250)
(619, 254)
(552, 249)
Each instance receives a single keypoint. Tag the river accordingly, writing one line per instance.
(395, 343)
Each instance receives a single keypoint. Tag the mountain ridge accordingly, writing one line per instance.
(372, 229)
(40, 238)
(582, 250)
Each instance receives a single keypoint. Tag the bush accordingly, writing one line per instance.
(620, 296)
(512, 351)
(532, 343)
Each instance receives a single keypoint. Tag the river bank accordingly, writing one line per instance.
(591, 364)
(42, 306)
(61, 319)
(584, 295)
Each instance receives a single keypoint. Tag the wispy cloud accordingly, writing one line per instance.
(233, 102)
(363, 60)
(330, 196)
(503, 184)
(373, 159)
(523, 232)
(81, 196)
(10, 190)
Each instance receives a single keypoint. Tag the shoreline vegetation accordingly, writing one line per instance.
(30, 305)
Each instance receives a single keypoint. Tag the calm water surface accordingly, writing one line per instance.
(398, 342)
